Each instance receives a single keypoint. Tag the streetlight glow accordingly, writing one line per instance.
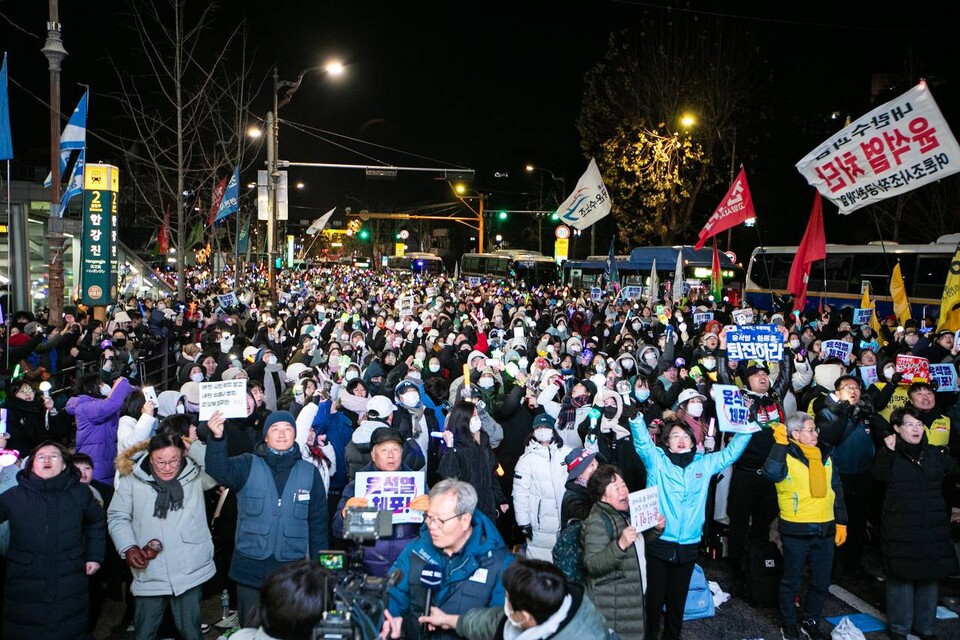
(334, 68)
(254, 132)
(688, 120)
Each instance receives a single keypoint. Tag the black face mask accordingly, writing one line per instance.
(610, 413)
(119, 342)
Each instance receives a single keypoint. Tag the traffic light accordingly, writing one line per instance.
(364, 234)
(502, 215)
(554, 216)
(278, 262)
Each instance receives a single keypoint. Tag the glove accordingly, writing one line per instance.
(780, 433)
(353, 502)
(841, 535)
(135, 558)
(897, 378)
(527, 531)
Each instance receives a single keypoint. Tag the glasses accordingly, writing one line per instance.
(678, 436)
(849, 387)
(913, 425)
(48, 457)
(431, 519)
(811, 430)
(165, 464)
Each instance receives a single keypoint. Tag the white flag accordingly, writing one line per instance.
(654, 296)
(317, 225)
(897, 147)
(589, 201)
(677, 292)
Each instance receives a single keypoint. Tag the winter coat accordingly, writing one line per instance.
(338, 429)
(538, 488)
(576, 503)
(56, 527)
(846, 434)
(476, 464)
(131, 431)
(582, 621)
(27, 424)
(97, 423)
(915, 525)
(187, 557)
(613, 575)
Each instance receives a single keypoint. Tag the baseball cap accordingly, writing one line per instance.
(688, 394)
(577, 462)
(755, 369)
(544, 420)
(385, 434)
(380, 406)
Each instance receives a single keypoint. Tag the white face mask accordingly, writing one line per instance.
(475, 424)
(695, 409)
(709, 364)
(410, 399)
(794, 344)
(511, 621)
(104, 389)
(270, 360)
(650, 359)
(181, 409)
(888, 372)
(434, 368)
(197, 377)
(486, 383)
(351, 375)
(543, 435)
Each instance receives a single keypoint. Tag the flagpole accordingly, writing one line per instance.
(766, 267)
(236, 255)
(6, 332)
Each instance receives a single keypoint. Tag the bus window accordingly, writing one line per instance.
(771, 271)
(930, 269)
(835, 270)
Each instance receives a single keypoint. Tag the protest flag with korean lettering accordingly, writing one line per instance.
(813, 247)
(898, 147)
(589, 201)
(735, 208)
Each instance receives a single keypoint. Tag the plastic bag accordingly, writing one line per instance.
(846, 630)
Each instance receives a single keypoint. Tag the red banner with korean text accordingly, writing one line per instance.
(735, 208)
(215, 200)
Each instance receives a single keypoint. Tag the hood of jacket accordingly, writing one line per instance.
(133, 461)
(483, 539)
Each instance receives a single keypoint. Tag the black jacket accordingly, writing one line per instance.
(476, 464)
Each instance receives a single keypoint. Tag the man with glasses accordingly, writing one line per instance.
(843, 420)
(469, 552)
(812, 520)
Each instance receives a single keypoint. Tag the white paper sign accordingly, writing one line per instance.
(392, 491)
(229, 397)
(473, 281)
(862, 316)
(702, 317)
(228, 300)
(945, 375)
(839, 349)
(743, 316)
(868, 374)
(644, 508)
(733, 414)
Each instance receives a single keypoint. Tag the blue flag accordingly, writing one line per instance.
(6, 141)
(231, 197)
(74, 136)
(611, 272)
(75, 186)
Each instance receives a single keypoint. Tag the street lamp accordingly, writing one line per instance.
(563, 190)
(462, 193)
(273, 154)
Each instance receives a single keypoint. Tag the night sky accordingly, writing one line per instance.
(493, 86)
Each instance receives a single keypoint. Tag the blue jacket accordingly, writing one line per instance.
(338, 429)
(97, 423)
(471, 577)
(683, 490)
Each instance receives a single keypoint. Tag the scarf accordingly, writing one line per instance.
(818, 476)
(680, 459)
(353, 403)
(169, 495)
(545, 629)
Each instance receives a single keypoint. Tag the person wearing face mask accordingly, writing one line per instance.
(32, 418)
(574, 410)
(690, 410)
(614, 443)
(270, 373)
(415, 423)
(682, 475)
(96, 407)
(468, 457)
(538, 487)
(886, 393)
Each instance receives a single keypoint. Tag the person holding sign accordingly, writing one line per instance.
(939, 431)
(812, 520)
(281, 501)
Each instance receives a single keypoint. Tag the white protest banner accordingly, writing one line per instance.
(862, 316)
(405, 306)
(229, 397)
(913, 368)
(474, 281)
(432, 292)
(868, 374)
(755, 342)
(743, 316)
(899, 146)
(228, 300)
(945, 375)
(839, 349)
(596, 293)
(733, 415)
(392, 491)
(702, 317)
(644, 508)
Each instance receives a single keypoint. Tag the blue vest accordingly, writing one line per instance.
(272, 525)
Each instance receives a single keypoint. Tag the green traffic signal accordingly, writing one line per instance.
(502, 215)
(364, 234)
(554, 216)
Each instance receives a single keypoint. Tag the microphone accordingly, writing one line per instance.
(430, 579)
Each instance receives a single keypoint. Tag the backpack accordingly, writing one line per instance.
(699, 598)
(568, 551)
(762, 569)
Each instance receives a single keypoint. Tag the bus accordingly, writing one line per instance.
(513, 265)
(840, 279)
(417, 263)
(634, 269)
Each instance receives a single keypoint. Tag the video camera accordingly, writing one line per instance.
(354, 601)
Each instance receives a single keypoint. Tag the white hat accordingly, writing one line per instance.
(294, 371)
(381, 406)
(249, 353)
(121, 316)
(191, 389)
(688, 394)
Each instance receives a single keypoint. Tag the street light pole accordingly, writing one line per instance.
(55, 53)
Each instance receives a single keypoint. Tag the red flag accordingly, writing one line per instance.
(736, 207)
(813, 247)
(215, 201)
(162, 240)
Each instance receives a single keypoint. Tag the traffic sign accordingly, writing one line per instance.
(563, 232)
(732, 256)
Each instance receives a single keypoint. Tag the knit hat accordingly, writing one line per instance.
(277, 417)
(577, 462)
(544, 420)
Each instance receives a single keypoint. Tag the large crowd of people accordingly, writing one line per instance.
(524, 410)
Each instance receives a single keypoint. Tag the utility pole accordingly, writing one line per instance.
(271, 191)
(55, 53)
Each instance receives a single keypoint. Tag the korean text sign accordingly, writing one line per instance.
(644, 508)
(913, 368)
(839, 349)
(945, 375)
(755, 342)
(733, 414)
(899, 146)
(392, 491)
(229, 397)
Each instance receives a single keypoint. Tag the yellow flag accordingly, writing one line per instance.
(949, 312)
(865, 303)
(899, 292)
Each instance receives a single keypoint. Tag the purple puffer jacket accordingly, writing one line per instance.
(97, 421)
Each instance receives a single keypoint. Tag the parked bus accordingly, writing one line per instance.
(417, 263)
(840, 279)
(530, 267)
(634, 269)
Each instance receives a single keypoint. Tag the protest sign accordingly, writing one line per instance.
(228, 396)
(644, 508)
(913, 368)
(733, 415)
(755, 342)
(862, 316)
(405, 306)
(228, 300)
(473, 281)
(432, 292)
(392, 491)
(836, 349)
(631, 292)
(743, 316)
(702, 317)
(868, 374)
(596, 293)
(945, 375)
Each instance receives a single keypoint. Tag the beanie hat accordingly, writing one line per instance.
(276, 417)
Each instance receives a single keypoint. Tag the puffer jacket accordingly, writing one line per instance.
(187, 557)
(97, 423)
(613, 575)
(538, 488)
